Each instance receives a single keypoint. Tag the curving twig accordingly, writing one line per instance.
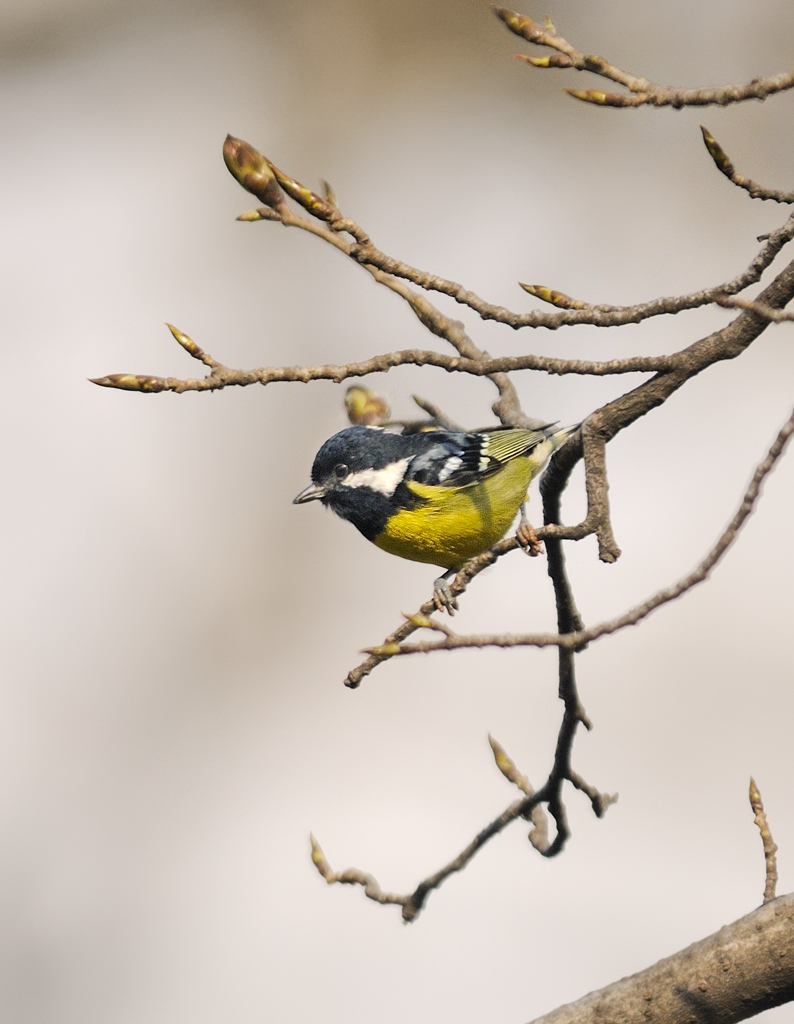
(725, 166)
(528, 807)
(575, 311)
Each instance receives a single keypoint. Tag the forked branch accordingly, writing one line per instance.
(665, 374)
(573, 640)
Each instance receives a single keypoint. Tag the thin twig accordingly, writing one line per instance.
(642, 91)
(352, 876)
(539, 834)
(222, 376)
(770, 847)
(776, 316)
(725, 166)
(527, 807)
(574, 311)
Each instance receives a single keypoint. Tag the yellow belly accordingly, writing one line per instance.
(455, 524)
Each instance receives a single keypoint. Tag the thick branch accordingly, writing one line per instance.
(743, 969)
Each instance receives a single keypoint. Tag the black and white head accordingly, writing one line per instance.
(357, 472)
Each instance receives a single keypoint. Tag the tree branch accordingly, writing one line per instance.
(725, 166)
(741, 970)
(573, 640)
(643, 92)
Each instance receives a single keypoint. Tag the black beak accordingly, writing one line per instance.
(311, 493)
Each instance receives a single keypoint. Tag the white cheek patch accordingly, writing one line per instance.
(384, 481)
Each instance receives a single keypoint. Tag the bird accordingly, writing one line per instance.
(440, 496)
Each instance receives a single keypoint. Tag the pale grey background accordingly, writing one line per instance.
(176, 633)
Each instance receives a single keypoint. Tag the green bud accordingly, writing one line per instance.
(384, 651)
(261, 213)
(550, 295)
(187, 343)
(717, 153)
(318, 859)
(553, 60)
(602, 99)
(310, 201)
(366, 407)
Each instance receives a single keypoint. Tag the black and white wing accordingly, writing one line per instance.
(455, 460)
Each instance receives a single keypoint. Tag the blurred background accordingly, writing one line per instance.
(176, 633)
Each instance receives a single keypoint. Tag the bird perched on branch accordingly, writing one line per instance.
(440, 497)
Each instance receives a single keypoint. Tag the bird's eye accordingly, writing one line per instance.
(340, 471)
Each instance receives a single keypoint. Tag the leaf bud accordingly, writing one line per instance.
(252, 171)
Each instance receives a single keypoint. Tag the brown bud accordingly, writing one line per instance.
(252, 171)
(130, 382)
(518, 24)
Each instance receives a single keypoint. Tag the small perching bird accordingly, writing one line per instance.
(440, 497)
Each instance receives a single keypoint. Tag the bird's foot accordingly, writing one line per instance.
(526, 536)
(443, 598)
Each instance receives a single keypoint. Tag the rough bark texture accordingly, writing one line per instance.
(744, 968)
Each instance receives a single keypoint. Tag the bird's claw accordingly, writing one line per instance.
(528, 539)
(443, 598)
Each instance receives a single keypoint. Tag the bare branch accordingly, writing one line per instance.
(457, 587)
(472, 361)
(574, 310)
(598, 518)
(770, 847)
(412, 903)
(776, 316)
(736, 973)
(527, 807)
(539, 834)
(352, 877)
(643, 92)
(573, 640)
(486, 366)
